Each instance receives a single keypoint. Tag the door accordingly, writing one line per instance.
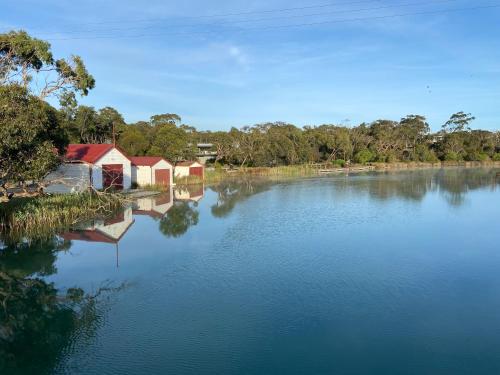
(196, 171)
(112, 176)
(162, 177)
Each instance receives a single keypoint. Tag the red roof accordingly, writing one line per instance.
(146, 160)
(185, 163)
(89, 153)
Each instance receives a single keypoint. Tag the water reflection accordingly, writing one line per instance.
(38, 320)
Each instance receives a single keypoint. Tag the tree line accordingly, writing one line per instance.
(31, 129)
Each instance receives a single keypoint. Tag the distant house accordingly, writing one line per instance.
(98, 165)
(151, 170)
(189, 168)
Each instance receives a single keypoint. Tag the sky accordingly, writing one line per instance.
(220, 64)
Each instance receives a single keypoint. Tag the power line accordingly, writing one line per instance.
(442, 11)
(232, 22)
(237, 14)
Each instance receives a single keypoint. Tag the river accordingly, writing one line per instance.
(376, 273)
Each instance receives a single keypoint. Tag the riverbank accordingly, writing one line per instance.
(219, 175)
(37, 216)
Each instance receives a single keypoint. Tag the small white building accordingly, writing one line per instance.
(151, 170)
(98, 165)
(189, 168)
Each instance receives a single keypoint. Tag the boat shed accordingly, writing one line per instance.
(151, 170)
(100, 166)
(189, 168)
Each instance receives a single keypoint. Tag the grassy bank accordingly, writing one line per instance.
(219, 175)
(42, 215)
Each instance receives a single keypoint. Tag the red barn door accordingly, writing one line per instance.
(112, 176)
(162, 177)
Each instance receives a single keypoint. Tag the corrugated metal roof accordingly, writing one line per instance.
(146, 160)
(89, 153)
(185, 163)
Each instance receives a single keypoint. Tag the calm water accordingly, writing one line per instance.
(363, 274)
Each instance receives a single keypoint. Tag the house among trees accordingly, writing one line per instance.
(189, 168)
(100, 166)
(151, 170)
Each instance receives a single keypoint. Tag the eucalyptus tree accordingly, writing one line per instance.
(30, 128)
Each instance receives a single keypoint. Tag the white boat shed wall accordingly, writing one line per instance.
(145, 175)
(183, 170)
(113, 156)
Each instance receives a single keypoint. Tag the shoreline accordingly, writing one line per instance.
(213, 177)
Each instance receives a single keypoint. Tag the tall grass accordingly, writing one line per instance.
(44, 215)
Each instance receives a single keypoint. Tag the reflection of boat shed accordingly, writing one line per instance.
(156, 206)
(106, 231)
(85, 165)
(192, 193)
(151, 170)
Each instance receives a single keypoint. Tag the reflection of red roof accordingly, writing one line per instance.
(88, 236)
(148, 161)
(185, 163)
(89, 153)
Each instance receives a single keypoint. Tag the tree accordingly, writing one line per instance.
(458, 122)
(85, 125)
(24, 59)
(110, 124)
(172, 143)
(29, 133)
(413, 130)
(133, 141)
(165, 119)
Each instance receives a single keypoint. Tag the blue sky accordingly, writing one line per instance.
(216, 72)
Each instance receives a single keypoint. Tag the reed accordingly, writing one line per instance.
(44, 215)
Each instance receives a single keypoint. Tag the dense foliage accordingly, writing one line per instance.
(278, 143)
(30, 129)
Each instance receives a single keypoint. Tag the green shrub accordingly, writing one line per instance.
(339, 163)
(452, 156)
(363, 157)
(477, 156)
(496, 157)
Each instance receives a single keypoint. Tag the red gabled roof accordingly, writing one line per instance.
(148, 161)
(89, 153)
(185, 163)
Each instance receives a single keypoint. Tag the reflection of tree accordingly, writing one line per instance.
(453, 184)
(38, 321)
(178, 219)
(230, 192)
(33, 257)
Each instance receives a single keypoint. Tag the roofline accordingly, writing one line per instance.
(100, 156)
(144, 165)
